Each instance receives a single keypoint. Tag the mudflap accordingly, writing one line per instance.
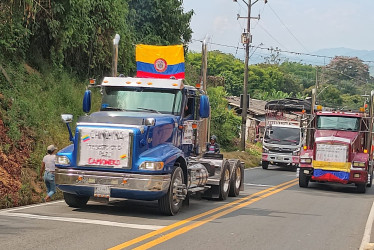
(186, 201)
(212, 192)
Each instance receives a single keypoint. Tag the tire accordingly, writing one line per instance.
(236, 180)
(224, 183)
(361, 188)
(303, 179)
(75, 201)
(370, 179)
(170, 204)
(265, 164)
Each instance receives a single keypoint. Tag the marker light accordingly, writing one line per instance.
(305, 147)
(194, 126)
(365, 151)
(319, 107)
(92, 81)
(198, 85)
(149, 83)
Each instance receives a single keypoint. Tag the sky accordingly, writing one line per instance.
(304, 26)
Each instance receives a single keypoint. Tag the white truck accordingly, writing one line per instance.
(284, 132)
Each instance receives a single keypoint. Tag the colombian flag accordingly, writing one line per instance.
(160, 61)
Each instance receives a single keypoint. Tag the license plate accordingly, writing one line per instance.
(279, 158)
(102, 191)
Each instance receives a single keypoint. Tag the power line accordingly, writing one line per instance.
(276, 49)
(287, 28)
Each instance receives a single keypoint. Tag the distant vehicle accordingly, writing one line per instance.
(284, 133)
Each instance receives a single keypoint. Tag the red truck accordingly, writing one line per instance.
(339, 148)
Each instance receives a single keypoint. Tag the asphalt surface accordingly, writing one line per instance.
(271, 213)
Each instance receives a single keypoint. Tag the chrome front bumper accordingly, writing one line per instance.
(125, 181)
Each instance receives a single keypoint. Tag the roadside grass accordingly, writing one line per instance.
(251, 156)
(31, 105)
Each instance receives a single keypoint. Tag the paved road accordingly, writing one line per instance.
(272, 213)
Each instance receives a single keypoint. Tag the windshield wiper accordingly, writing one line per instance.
(151, 110)
(272, 139)
(113, 108)
(293, 141)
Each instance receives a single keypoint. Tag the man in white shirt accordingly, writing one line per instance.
(48, 168)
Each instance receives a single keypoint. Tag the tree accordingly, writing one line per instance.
(160, 22)
(348, 68)
(224, 122)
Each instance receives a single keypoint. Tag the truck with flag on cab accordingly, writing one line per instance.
(145, 143)
(339, 148)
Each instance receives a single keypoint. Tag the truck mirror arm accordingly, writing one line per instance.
(71, 137)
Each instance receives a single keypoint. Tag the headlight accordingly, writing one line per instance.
(62, 160)
(296, 152)
(150, 165)
(306, 160)
(265, 150)
(358, 164)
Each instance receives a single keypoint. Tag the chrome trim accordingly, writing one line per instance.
(135, 182)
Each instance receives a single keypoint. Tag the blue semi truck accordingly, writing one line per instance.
(145, 143)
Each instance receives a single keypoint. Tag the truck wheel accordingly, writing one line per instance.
(265, 164)
(370, 179)
(361, 188)
(236, 180)
(303, 179)
(224, 183)
(171, 202)
(75, 201)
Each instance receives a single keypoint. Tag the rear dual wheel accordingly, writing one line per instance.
(224, 183)
(236, 180)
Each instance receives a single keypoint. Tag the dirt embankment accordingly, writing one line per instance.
(13, 168)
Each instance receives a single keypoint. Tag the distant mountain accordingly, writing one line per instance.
(365, 55)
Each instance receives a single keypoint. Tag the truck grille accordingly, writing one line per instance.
(104, 147)
(331, 153)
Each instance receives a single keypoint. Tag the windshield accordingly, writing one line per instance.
(282, 135)
(165, 101)
(338, 123)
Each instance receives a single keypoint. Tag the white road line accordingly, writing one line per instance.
(367, 233)
(258, 185)
(29, 206)
(252, 168)
(83, 221)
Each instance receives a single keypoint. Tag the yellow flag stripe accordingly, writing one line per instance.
(173, 54)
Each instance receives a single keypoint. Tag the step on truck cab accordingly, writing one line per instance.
(339, 149)
(144, 144)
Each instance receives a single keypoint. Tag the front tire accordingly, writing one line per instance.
(303, 179)
(236, 180)
(224, 183)
(265, 164)
(361, 188)
(75, 201)
(171, 203)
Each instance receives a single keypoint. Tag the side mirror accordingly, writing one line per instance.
(67, 118)
(204, 110)
(87, 101)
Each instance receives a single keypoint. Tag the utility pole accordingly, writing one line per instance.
(246, 39)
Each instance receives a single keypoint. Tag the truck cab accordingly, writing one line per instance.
(143, 144)
(281, 144)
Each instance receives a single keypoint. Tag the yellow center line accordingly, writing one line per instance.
(202, 222)
(182, 222)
